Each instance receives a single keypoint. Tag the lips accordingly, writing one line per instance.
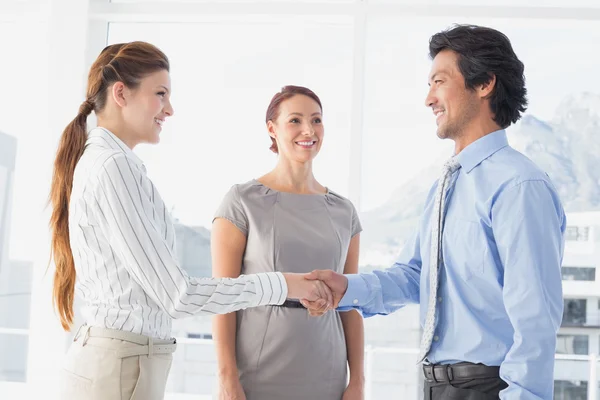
(439, 113)
(306, 144)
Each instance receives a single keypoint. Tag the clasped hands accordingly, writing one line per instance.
(319, 291)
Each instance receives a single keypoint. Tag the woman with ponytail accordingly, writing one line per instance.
(113, 240)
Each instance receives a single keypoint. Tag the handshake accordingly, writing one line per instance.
(318, 291)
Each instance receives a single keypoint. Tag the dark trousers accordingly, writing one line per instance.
(465, 389)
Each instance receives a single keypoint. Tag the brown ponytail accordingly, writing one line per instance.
(127, 63)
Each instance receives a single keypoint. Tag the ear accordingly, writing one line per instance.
(487, 88)
(271, 129)
(119, 93)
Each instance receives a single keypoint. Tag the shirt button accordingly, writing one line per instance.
(355, 301)
(436, 338)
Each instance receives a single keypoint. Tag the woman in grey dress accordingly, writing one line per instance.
(286, 221)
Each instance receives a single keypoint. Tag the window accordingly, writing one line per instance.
(199, 335)
(15, 278)
(5, 193)
(578, 273)
(574, 313)
(221, 91)
(572, 344)
(577, 233)
(570, 390)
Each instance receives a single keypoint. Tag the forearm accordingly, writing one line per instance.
(353, 325)
(381, 292)
(224, 336)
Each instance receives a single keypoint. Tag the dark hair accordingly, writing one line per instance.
(482, 53)
(127, 63)
(287, 92)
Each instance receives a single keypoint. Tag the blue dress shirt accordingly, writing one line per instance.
(500, 291)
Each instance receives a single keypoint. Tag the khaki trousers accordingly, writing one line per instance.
(107, 364)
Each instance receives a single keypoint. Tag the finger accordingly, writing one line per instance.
(329, 294)
(325, 294)
(316, 274)
(316, 313)
(313, 275)
(314, 309)
(324, 307)
(311, 305)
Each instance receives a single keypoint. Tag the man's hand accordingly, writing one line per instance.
(338, 284)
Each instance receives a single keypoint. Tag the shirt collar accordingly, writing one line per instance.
(106, 138)
(472, 155)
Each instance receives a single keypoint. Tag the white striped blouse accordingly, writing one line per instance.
(123, 244)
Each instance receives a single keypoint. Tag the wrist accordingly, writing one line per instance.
(290, 280)
(228, 373)
(357, 380)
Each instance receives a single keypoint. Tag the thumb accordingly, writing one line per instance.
(313, 276)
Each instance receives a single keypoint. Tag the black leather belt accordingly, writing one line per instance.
(291, 304)
(449, 373)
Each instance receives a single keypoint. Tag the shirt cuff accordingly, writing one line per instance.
(271, 288)
(357, 293)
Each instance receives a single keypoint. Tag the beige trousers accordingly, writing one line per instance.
(107, 364)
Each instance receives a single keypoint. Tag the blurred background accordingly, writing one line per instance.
(368, 62)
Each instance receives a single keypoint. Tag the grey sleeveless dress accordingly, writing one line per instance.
(283, 353)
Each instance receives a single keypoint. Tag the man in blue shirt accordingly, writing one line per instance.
(492, 233)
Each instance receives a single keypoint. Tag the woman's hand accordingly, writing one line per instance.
(311, 290)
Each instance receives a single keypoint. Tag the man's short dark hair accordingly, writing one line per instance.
(482, 53)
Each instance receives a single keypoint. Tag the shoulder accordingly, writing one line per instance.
(337, 200)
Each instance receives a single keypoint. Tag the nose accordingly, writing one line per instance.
(308, 130)
(430, 99)
(168, 109)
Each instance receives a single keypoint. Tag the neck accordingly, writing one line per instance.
(473, 132)
(295, 177)
(117, 129)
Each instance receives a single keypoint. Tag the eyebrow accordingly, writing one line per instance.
(302, 115)
(436, 75)
(164, 87)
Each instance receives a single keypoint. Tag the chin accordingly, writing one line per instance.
(443, 133)
(153, 139)
(305, 158)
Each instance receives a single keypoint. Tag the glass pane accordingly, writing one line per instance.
(577, 233)
(579, 273)
(221, 90)
(574, 313)
(194, 369)
(5, 192)
(15, 265)
(395, 372)
(570, 390)
(572, 344)
(13, 363)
